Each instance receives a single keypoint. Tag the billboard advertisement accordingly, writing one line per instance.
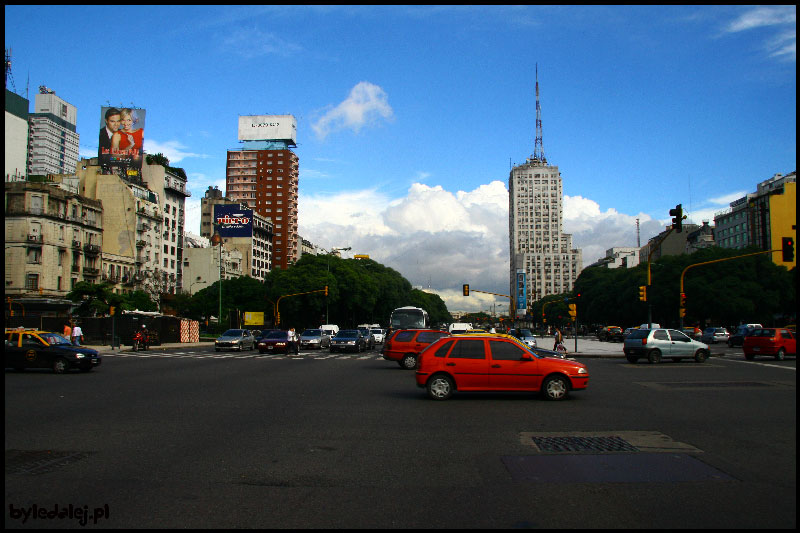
(233, 221)
(121, 137)
(521, 294)
(268, 128)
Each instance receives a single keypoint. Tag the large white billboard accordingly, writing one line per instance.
(268, 128)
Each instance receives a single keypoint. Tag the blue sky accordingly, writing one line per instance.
(410, 117)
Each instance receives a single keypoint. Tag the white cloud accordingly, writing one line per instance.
(174, 150)
(783, 42)
(366, 104)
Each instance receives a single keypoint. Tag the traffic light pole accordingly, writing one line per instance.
(682, 310)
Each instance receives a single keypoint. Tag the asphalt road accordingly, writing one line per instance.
(191, 438)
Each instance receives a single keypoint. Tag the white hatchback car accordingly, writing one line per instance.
(377, 334)
(715, 335)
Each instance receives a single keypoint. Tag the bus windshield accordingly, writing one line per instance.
(409, 318)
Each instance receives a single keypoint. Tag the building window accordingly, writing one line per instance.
(32, 282)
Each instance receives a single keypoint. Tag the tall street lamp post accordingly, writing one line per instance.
(216, 239)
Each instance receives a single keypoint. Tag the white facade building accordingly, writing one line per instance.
(53, 140)
(537, 245)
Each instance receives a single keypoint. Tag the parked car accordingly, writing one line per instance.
(611, 334)
(349, 340)
(777, 342)
(405, 345)
(278, 341)
(495, 363)
(714, 335)
(314, 338)
(377, 334)
(656, 344)
(236, 339)
(32, 348)
(524, 335)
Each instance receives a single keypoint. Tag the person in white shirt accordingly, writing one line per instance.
(77, 335)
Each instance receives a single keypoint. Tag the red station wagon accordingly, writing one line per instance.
(777, 342)
(488, 363)
(405, 345)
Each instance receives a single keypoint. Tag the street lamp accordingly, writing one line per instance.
(216, 239)
(328, 261)
(192, 284)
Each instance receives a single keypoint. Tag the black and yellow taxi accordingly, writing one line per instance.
(32, 348)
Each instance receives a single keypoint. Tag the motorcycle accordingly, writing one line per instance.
(141, 340)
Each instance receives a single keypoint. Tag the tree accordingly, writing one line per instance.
(95, 298)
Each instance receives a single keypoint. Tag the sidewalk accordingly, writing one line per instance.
(103, 349)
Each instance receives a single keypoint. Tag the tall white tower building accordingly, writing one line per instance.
(543, 261)
(53, 139)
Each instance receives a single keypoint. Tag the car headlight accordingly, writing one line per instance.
(582, 371)
(80, 355)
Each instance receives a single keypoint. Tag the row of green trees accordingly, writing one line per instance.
(749, 289)
(739, 290)
(359, 291)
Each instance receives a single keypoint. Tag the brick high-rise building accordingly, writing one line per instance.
(264, 174)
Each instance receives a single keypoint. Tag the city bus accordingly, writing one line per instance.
(409, 318)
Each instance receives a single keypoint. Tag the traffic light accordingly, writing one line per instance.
(573, 311)
(466, 289)
(326, 290)
(677, 218)
(643, 293)
(788, 249)
(682, 312)
(683, 300)
(112, 310)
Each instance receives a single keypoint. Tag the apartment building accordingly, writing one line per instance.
(53, 239)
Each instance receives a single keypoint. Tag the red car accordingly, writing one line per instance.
(777, 342)
(495, 363)
(278, 341)
(404, 345)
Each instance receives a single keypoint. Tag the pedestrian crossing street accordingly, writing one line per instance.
(322, 355)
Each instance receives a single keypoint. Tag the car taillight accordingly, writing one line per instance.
(644, 341)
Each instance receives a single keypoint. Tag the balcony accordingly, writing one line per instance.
(92, 272)
(91, 249)
(35, 239)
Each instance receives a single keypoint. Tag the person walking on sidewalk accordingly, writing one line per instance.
(559, 338)
(77, 335)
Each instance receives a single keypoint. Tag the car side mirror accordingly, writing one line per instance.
(526, 357)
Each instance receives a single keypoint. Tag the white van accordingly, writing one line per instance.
(330, 329)
(459, 327)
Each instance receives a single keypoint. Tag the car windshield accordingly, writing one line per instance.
(312, 333)
(347, 333)
(276, 335)
(525, 333)
(54, 339)
(233, 333)
(376, 330)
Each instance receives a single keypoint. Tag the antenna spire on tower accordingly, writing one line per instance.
(538, 149)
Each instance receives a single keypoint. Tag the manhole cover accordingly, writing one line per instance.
(583, 444)
(39, 461)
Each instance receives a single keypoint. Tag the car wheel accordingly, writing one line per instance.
(409, 362)
(440, 387)
(749, 356)
(60, 365)
(654, 356)
(555, 388)
(781, 355)
(700, 356)
(631, 359)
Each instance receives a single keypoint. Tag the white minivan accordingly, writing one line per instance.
(459, 327)
(330, 329)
